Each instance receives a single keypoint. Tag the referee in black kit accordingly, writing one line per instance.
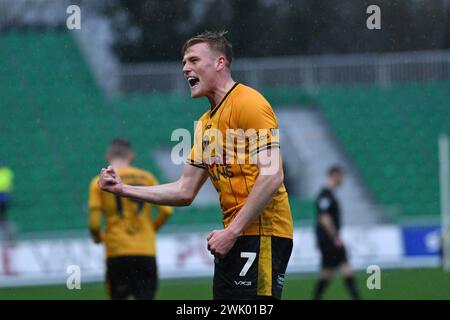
(331, 247)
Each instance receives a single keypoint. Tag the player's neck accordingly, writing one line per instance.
(119, 163)
(220, 91)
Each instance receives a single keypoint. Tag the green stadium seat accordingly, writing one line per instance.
(58, 125)
(391, 134)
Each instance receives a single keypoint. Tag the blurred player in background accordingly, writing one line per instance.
(130, 232)
(330, 243)
(253, 250)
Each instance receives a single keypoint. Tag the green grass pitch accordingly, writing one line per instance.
(395, 284)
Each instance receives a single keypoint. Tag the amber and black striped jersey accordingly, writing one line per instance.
(130, 228)
(227, 140)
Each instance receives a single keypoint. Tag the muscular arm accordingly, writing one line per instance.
(265, 187)
(179, 193)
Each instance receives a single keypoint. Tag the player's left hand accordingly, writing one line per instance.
(220, 242)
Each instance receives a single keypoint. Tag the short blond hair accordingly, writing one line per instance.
(216, 41)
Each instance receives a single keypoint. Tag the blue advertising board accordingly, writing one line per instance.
(422, 241)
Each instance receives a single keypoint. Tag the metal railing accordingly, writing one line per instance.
(307, 71)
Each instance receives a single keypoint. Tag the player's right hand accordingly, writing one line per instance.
(110, 181)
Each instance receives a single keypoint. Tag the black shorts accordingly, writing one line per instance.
(332, 256)
(253, 269)
(134, 276)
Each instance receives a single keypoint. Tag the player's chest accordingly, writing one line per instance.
(219, 136)
(222, 140)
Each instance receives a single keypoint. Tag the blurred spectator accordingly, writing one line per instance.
(6, 186)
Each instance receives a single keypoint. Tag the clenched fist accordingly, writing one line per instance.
(220, 242)
(110, 181)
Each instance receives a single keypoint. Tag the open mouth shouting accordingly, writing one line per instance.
(193, 81)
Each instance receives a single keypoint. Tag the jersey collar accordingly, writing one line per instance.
(214, 110)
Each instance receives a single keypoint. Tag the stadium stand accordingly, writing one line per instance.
(391, 135)
(55, 126)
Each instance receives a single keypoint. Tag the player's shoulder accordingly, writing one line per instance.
(323, 193)
(247, 94)
(249, 101)
(139, 172)
(94, 182)
(324, 200)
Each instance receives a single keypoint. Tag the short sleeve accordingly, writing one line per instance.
(323, 204)
(258, 121)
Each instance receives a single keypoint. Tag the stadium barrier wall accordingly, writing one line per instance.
(184, 255)
(311, 72)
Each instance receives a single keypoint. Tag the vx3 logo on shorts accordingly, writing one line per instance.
(243, 283)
